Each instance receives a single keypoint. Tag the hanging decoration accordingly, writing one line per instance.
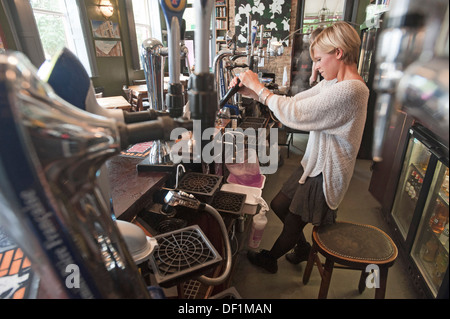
(324, 13)
(106, 8)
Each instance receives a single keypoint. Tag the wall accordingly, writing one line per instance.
(114, 72)
(274, 64)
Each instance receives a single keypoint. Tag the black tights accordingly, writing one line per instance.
(292, 233)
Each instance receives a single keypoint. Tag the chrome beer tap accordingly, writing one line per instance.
(409, 34)
(55, 211)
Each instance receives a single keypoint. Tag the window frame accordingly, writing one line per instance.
(26, 34)
(155, 26)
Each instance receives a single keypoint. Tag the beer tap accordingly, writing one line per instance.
(233, 55)
(202, 93)
(400, 43)
(55, 211)
(48, 181)
(260, 47)
(407, 40)
(173, 12)
(423, 91)
(249, 41)
(77, 89)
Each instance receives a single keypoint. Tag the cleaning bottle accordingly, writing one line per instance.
(258, 225)
(285, 79)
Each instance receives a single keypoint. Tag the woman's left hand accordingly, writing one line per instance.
(250, 80)
(246, 92)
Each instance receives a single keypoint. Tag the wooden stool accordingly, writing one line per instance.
(354, 246)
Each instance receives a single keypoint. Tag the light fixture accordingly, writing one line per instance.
(274, 48)
(324, 13)
(106, 8)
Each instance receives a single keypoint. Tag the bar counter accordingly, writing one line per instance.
(131, 190)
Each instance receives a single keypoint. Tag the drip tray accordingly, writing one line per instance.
(253, 122)
(201, 184)
(228, 202)
(181, 255)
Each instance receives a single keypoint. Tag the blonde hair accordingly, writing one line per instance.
(340, 35)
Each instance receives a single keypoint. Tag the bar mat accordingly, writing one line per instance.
(17, 280)
(139, 150)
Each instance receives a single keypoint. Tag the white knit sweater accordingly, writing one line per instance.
(335, 114)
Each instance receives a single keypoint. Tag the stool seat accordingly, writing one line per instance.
(355, 246)
(356, 243)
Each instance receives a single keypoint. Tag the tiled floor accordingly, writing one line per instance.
(358, 206)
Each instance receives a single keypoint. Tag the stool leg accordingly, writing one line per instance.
(289, 139)
(362, 281)
(310, 264)
(326, 278)
(381, 292)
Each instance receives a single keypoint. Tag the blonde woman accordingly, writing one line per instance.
(334, 112)
(314, 78)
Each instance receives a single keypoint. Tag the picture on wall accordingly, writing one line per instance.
(274, 15)
(108, 48)
(105, 29)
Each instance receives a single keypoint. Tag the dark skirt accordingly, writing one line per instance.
(308, 200)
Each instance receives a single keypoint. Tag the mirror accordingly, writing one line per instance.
(313, 14)
(321, 13)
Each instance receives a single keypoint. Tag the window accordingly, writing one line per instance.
(59, 26)
(322, 14)
(147, 25)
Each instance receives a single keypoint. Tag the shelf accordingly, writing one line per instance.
(221, 22)
(441, 194)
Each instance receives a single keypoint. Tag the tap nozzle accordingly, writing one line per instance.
(180, 198)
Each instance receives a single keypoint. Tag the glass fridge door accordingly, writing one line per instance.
(413, 172)
(430, 248)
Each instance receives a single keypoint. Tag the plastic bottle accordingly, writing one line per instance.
(285, 79)
(439, 218)
(258, 226)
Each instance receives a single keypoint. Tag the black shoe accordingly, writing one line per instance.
(299, 254)
(264, 260)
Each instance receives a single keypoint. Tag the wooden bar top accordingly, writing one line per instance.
(114, 102)
(131, 190)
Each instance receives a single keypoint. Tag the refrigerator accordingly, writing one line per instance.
(420, 213)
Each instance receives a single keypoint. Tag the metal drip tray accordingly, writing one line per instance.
(197, 183)
(253, 122)
(228, 202)
(260, 120)
(181, 255)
